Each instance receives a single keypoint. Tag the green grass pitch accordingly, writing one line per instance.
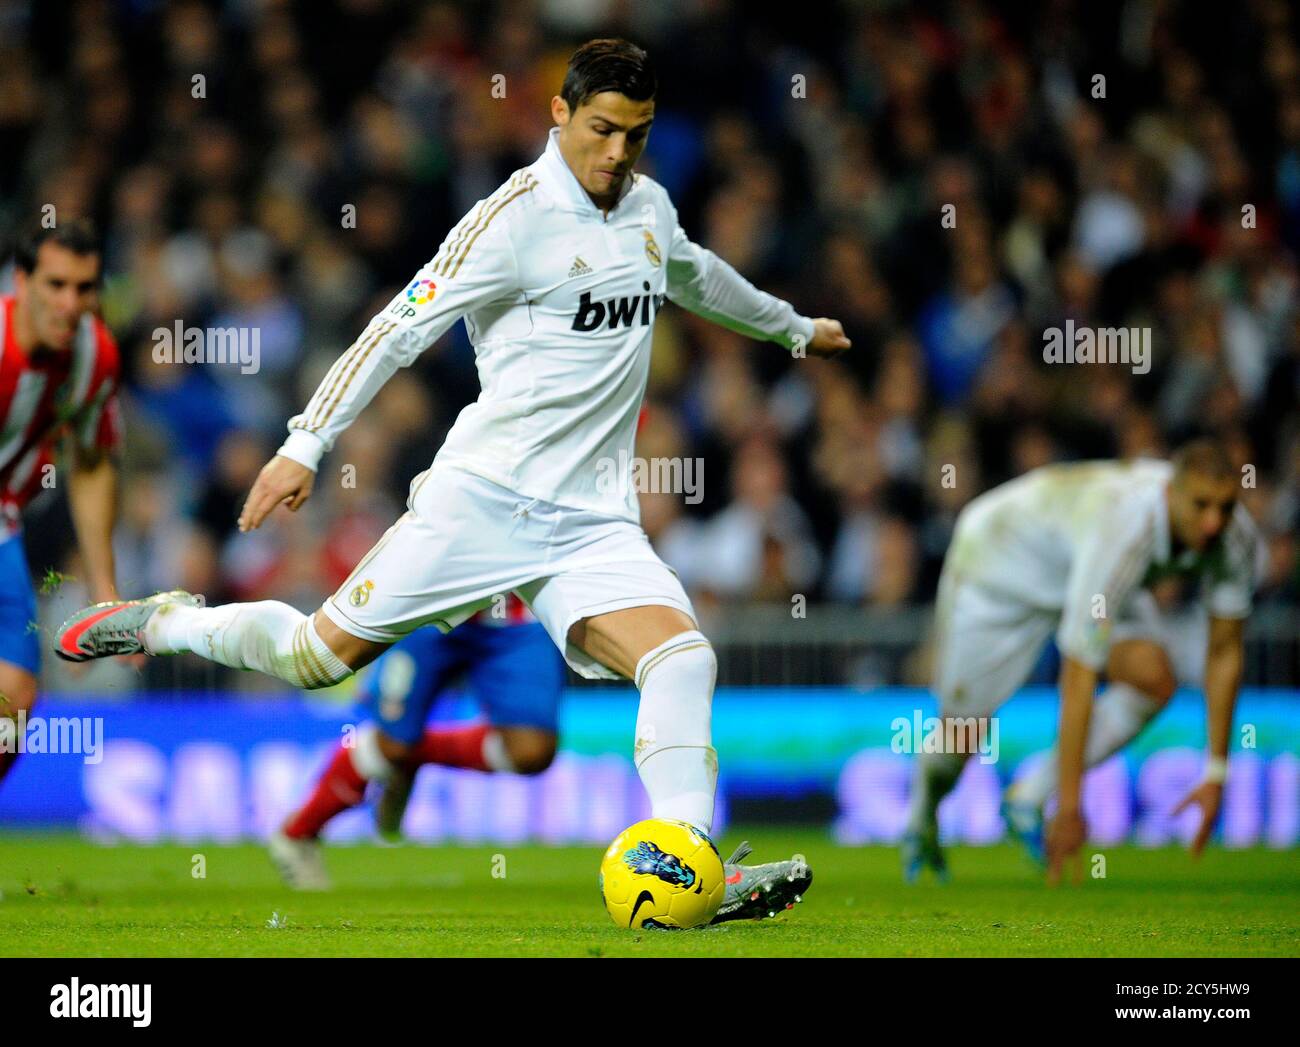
(65, 897)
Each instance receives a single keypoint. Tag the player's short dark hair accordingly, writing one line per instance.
(1205, 457)
(78, 235)
(608, 65)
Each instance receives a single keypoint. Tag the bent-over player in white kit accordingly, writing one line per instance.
(1071, 550)
(559, 275)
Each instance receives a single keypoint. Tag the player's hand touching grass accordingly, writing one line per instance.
(1209, 797)
(828, 338)
(281, 480)
(1065, 837)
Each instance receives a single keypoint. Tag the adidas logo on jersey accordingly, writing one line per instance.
(579, 267)
(617, 312)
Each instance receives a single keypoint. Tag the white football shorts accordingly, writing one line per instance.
(985, 646)
(465, 540)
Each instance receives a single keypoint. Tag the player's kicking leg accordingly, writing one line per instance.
(1141, 684)
(307, 651)
(660, 649)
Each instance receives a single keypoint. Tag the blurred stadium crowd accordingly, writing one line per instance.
(813, 148)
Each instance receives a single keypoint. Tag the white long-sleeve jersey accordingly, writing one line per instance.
(1080, 539)
(559, 301)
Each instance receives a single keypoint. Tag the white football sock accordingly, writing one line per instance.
(268, 636)
(674, 751)
(933, 778)
(1118, 716)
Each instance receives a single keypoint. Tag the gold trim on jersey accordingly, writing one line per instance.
(467, 224)
(331, 379)
(423, 478)
(447, 268)
(447, 263)
(359, 351)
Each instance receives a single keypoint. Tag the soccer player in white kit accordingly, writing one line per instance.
(1071, 549)
(559, 275)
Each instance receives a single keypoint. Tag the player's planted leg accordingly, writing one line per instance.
(299, 861)
(933, 778)
(295, 847)
(673, 751)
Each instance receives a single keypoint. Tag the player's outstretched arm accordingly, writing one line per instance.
(1067, 832)
(702, 282)
(828, 338)
(281, 481)
(1223, 667)
(1105, 571)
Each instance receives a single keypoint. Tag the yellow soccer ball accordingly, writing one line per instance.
(662, 873)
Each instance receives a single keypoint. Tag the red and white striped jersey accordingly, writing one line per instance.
(41, 397)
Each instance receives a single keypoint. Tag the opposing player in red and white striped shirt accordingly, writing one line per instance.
(59, 371)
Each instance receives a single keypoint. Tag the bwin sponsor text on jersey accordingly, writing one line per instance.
(617, 312)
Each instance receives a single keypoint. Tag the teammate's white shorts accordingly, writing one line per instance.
(464, 540)
(986, 645)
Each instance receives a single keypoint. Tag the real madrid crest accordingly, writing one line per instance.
(651, 248)
(359, 595)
